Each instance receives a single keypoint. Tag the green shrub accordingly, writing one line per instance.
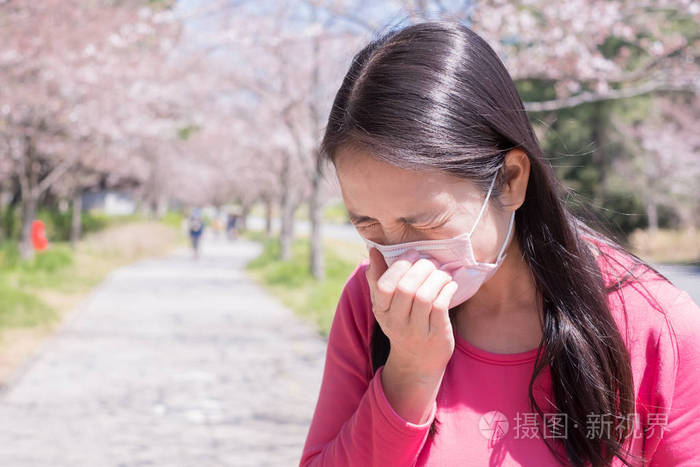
(9, 254)
(98, 221)
(52, 259)
(10, 223)
(59, 224)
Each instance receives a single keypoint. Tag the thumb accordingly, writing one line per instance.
(377, 265)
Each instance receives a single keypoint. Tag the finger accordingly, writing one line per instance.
(377, 265)
(425, 296)
(407, 286)
(439, 315)
(386, 284)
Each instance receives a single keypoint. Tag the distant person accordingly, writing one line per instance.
(231, 230)
(217, 227)
(196, 228)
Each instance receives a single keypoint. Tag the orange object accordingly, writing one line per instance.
(39, 239)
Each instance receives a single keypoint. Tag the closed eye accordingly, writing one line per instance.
(441, 224)
(434, 227)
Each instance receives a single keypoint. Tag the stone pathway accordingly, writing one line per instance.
(171, 362)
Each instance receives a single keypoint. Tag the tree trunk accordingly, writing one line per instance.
(600, 160)
(28, 179)
(5, 197)
(245, 212)
(287, 231)
(268, 216)
(652, 216)
(315, 212)
(162, 206)
(153, 208)
(8, 222)
(316, 260)
(29, 204)
(287, 217)
(76, 224)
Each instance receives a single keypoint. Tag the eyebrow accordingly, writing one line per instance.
(414, 219)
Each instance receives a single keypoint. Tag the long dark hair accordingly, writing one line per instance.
(435, 95)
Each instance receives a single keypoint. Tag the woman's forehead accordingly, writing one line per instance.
(369, 183)
(361, 168)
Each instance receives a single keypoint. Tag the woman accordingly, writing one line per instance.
(489, 326)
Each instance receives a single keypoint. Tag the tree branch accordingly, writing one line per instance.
(588, 97)
(57, 172)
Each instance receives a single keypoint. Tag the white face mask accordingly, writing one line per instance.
(454, 256)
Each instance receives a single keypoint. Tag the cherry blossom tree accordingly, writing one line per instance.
(665, 163)
(585, 52)
(65, 88)
(217, 102)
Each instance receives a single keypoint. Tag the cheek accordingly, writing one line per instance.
(481, 252)
(457, 225)
(486, 241)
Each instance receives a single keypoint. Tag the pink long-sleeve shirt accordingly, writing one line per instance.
(482, 404)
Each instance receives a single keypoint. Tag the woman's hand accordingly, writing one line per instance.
(410, 301)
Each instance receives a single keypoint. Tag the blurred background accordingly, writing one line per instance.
(172, 249)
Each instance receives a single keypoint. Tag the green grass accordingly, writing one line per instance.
(21, 305)
(173, 219)
(48, 269)
(291, 281)
(22, 309)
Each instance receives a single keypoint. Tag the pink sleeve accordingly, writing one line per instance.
(353, 423)
(678, 389)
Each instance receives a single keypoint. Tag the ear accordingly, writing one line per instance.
(517, 173)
